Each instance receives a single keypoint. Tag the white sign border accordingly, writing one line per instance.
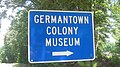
(59, 60)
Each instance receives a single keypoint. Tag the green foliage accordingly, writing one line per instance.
(2, 55)
(95, 64)
(62, 4)
(16, 42)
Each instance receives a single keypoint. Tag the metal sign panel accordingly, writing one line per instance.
(60, 36)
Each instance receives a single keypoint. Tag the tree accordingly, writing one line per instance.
(16, 38)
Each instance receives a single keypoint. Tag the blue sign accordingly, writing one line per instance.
(60, 36)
